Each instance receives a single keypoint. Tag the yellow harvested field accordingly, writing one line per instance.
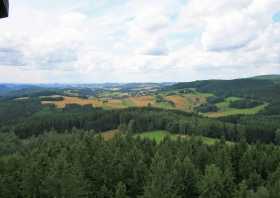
(142, 101)
(187, 102)
(74, 100)
(184, 103)
(179, 101)
(196, 99)
(108, 135)
(114, 103)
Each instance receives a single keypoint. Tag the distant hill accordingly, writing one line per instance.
(275, 77)
(12, 91)
(265, 89)
(8, 88)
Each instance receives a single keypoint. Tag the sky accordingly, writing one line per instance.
(96, 41)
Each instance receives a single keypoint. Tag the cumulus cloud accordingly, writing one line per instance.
(229, 25)
(12, 57)
(160, 40)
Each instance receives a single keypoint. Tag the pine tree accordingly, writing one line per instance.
(187, 178)
(131, 128)
(211, 185)
(274, 184)
(261, 192)
(161, 181)
(64, 179)
(121, 191)
(122, 128)
(104, 192)
(228, 184)
(275, 190)
(242, 191)
(277, 137)
(254, 180)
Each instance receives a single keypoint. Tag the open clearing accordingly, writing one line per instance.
(159, 136)
(142, 101)
(179, 101)
(225, 110)
(187, 102)
(183, 102)
(94, 102)
(108, 135)
(74, 100)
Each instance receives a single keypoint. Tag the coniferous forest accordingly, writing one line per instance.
(140, 99)
(78, 163)
(46, 151)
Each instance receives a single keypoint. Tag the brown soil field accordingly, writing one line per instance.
(95, 102)
(179, 101)
(142, 101)
(185, 103)
(114, 104)
(75, 100)
(108, 135)
(196, 99)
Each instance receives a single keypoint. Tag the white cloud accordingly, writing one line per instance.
(132, 41)
(230, 24)
(230, 32)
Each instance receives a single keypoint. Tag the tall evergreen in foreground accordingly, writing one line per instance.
(81, 164)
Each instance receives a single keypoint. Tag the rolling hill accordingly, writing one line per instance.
(208, 97)
(273, 77)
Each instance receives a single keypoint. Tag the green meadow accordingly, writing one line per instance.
(159, 136)
(226, 110)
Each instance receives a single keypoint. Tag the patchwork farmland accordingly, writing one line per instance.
(187, 102)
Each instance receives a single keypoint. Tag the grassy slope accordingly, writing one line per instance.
(225, 110)
(159, 136)
(128, 103)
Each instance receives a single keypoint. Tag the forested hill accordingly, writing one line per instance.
(9, 88)
(265, 89)
(275, 77)
(47, 151)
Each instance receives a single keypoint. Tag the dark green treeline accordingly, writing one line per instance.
(81, 164)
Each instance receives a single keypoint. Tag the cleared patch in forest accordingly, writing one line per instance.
(187, 102)
(108, 135)
(183, 102)
(159, 135)
(94, 102)
(179, 101)
(226, 110)
(142, 101)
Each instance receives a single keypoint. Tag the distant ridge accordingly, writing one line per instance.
(274, 77)
(262, 87)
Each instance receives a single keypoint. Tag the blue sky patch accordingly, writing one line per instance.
(276, 17)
